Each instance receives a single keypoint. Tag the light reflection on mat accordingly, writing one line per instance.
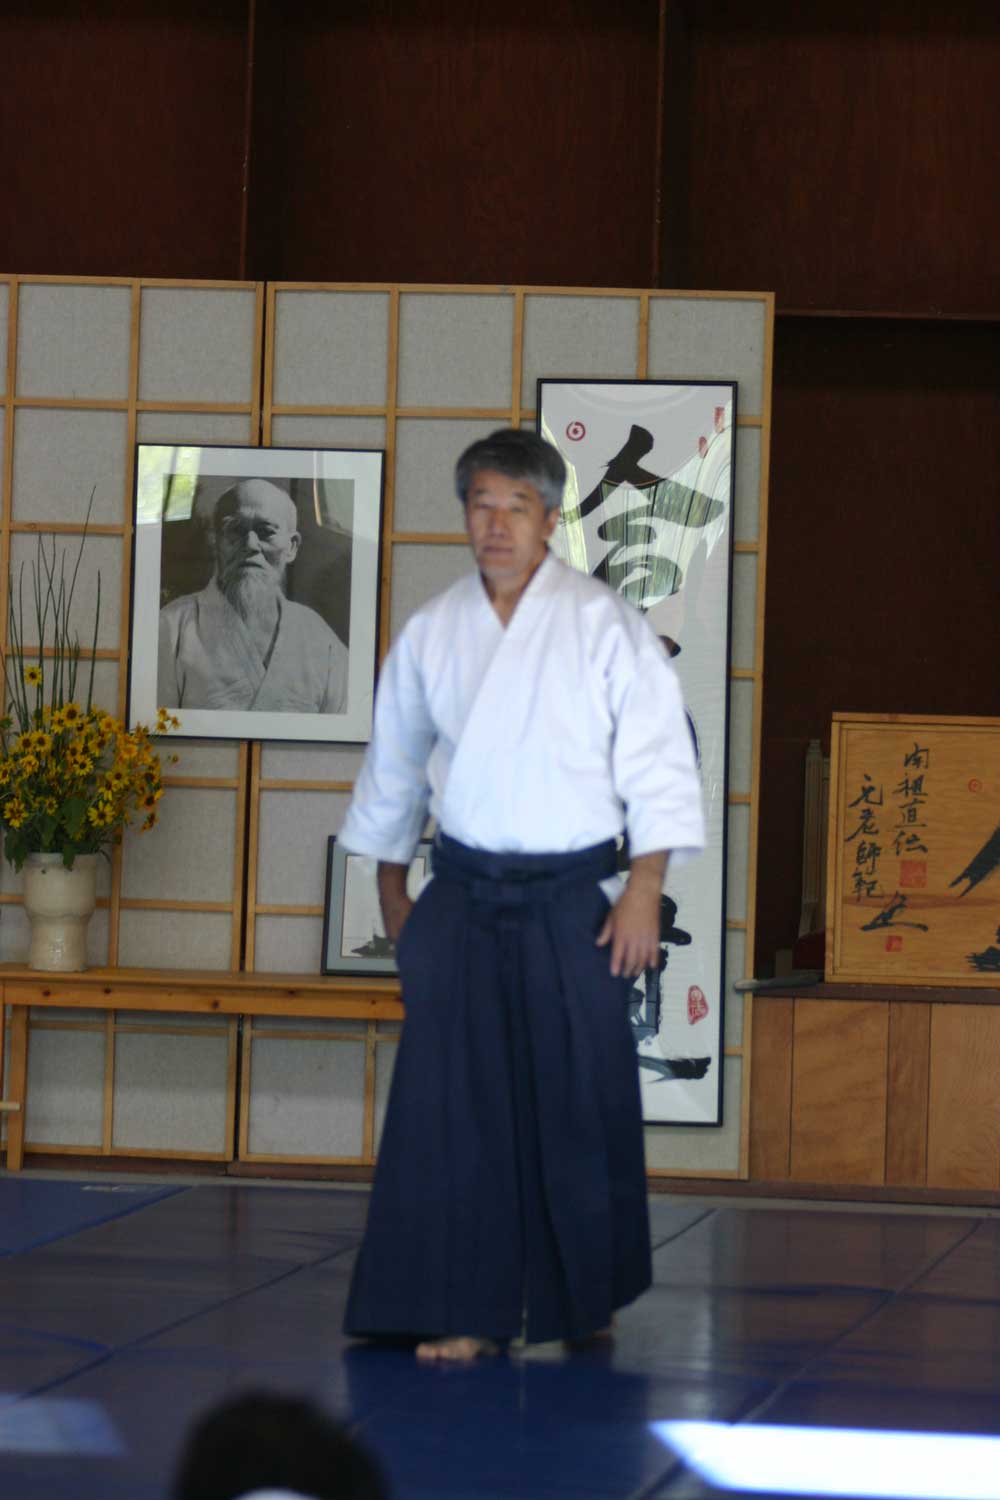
(838, 1461)
(57, 1426)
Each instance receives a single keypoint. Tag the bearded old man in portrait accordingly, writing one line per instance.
(239, 643)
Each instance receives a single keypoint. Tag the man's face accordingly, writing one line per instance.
(255, 540)
(508, 526)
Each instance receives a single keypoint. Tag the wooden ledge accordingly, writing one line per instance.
(205, 991)
(938, 994)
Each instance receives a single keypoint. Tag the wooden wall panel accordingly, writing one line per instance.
(839, 1092)
(123, 130)
(906, 1104)
(771, 1088)
(843, 154)
(963, 1145)
(881, 547)
(496, 141)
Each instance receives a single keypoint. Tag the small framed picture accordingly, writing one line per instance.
(354, 940)
(255, 590)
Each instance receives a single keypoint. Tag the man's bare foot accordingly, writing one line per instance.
(459, 1349)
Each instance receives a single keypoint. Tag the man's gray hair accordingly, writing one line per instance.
(519, 454)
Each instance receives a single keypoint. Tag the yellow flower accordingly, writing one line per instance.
(6, 772)
(72, 713)
(33, 676)
(29, 763)
(58, 720)
(50, 805)
(42, 742)
(149, 822)
(14, 812)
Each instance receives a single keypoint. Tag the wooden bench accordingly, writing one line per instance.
(181, 991)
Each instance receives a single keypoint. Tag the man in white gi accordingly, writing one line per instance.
(537, 716)
(240, 643)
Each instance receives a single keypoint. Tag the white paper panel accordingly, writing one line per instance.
(73, 341)
(385, 1062)
(102, 555)
(741, 735)
(4, 323)
(288, 945)
(455, 350)
(166, 1021)
(331, 348)
(737, 861)
(199, 757)
(705, 338)
(189, 855)
(60, 456)
(596, 338)
(699, 1149)
(294, 829)
(338, 1024)
(196, 345)
(328, 432)
(744, 632)
(426, 453)
(228, 428)
(418, 573)
(93, 1018)
(311, 762)
(15, 937)
(175, 940)
(65, 1088)
(170, 1092)
(736, 945)
(307, 1098)
(746, 508)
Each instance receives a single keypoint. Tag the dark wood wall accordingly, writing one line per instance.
(842, 154)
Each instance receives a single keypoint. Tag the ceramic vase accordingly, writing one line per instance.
(59, 904)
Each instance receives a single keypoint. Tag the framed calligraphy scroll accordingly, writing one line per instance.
(913, 889)
(649, 510)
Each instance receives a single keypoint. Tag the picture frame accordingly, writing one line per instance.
(255, 585)
(354, 940)
(648, 508)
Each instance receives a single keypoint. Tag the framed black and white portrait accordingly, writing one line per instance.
(648, 509)
(255, 590)
(354, 937)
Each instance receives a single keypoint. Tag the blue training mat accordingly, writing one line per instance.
(34, 1213)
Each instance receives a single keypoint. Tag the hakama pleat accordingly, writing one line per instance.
(510, 1193)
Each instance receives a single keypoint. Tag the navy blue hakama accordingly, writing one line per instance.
(510, 1193)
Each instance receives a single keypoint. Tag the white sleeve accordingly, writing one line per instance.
(653, 761)
(389, 806)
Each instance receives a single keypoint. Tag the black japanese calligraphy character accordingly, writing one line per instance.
(887, 916)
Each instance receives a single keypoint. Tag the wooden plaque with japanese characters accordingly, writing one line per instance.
(913, 888)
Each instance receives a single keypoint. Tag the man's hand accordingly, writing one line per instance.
(395, 903)
(632, 926)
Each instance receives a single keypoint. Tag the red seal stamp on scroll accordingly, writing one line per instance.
(697, 1004)
(575, 431)
(913, 873)
(893, 944)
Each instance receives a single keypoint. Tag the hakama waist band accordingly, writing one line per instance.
(515, 879)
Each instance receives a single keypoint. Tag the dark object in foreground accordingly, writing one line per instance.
(262, 1441)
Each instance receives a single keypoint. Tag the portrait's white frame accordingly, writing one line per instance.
(365, 469)
(692, 425)
(351, 880)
